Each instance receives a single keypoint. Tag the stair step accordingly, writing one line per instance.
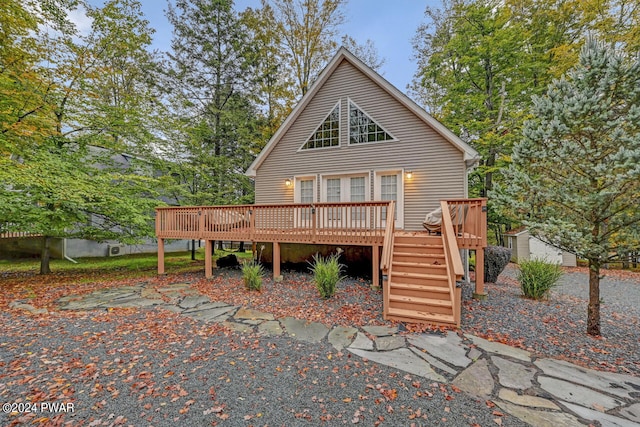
(417, 254)
(421, 288)
(419, 264)
(421, 315)
(420, 275)
(428, 302)
(418, 245)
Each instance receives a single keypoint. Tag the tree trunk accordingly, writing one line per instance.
(593, 312)
(193, 250)
(241, 247)
(45, 255)
(220, 246)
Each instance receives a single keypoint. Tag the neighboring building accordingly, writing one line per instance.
(354, 137)
(25, 245)
(524, 246)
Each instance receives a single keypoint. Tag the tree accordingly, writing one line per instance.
(575, 176)
(309, 29)
(276, 87)
(61, 172)
(366, 52)
(210, 76)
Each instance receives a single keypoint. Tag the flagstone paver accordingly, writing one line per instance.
(526, 400)
(604, 419)
(498, 348)
(270, 327)
(476, 380)
(577, 394)
(402, 359)
(619, 385)
(449, 347)
(390, 343)
(304, 330)
(540, 418)
(632, 412)
(434, 362)
(543, 392)
(512, 374)
(341, 336)
(249, 314)
(381, 331)
(362, 342)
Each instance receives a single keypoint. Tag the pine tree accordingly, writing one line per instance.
(575, 176)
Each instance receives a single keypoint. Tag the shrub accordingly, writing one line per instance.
(327, 272)
(252, 273)
(537, 277)
(496, 259)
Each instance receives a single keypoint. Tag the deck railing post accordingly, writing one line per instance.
(313, 223)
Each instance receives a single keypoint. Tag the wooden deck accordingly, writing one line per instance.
(354, 224)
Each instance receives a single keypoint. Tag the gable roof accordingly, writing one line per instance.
(471, 156)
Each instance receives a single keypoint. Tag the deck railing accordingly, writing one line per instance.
(361, 223)
(6, 234)
(469, 221)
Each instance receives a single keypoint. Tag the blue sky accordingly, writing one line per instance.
(390, 24)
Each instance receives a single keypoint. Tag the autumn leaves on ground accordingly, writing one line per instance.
(155, 367)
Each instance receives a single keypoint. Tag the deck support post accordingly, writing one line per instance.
(480, 292)
(375, 266)
(276, 260)
(208, 253)
(160, 256)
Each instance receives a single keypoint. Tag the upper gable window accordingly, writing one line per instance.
(328, 133)
(363, 129)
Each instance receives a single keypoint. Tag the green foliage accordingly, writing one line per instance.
(575, 174)
(252, 273)
(537, 277)
(327, 272)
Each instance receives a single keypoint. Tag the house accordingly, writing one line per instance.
(358, 164)
(354, 137)
(24, 244)
(524, 246)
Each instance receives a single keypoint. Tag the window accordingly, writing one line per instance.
(306, 190)
(328, 133)
(363, 129)
(389, 186)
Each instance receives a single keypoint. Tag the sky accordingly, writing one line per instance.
(390, 24)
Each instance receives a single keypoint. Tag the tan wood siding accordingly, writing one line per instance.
(438, 167)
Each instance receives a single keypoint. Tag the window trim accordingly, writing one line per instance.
(297, 196)
(377, 192)
(351, 144)
(315, 129)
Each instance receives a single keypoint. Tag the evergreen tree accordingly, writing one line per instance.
(575, 176)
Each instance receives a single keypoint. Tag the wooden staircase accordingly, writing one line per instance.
(419, 284)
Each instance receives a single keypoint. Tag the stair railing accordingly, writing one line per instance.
(455, 269)
(387, 250)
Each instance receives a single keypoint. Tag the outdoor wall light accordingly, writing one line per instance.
(288, 182)
(409, 174)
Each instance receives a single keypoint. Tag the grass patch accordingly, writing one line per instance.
(327, 272)
(537, 277)
(252, 273)
(125, 266)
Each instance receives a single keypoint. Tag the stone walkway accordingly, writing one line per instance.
(541, 392)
